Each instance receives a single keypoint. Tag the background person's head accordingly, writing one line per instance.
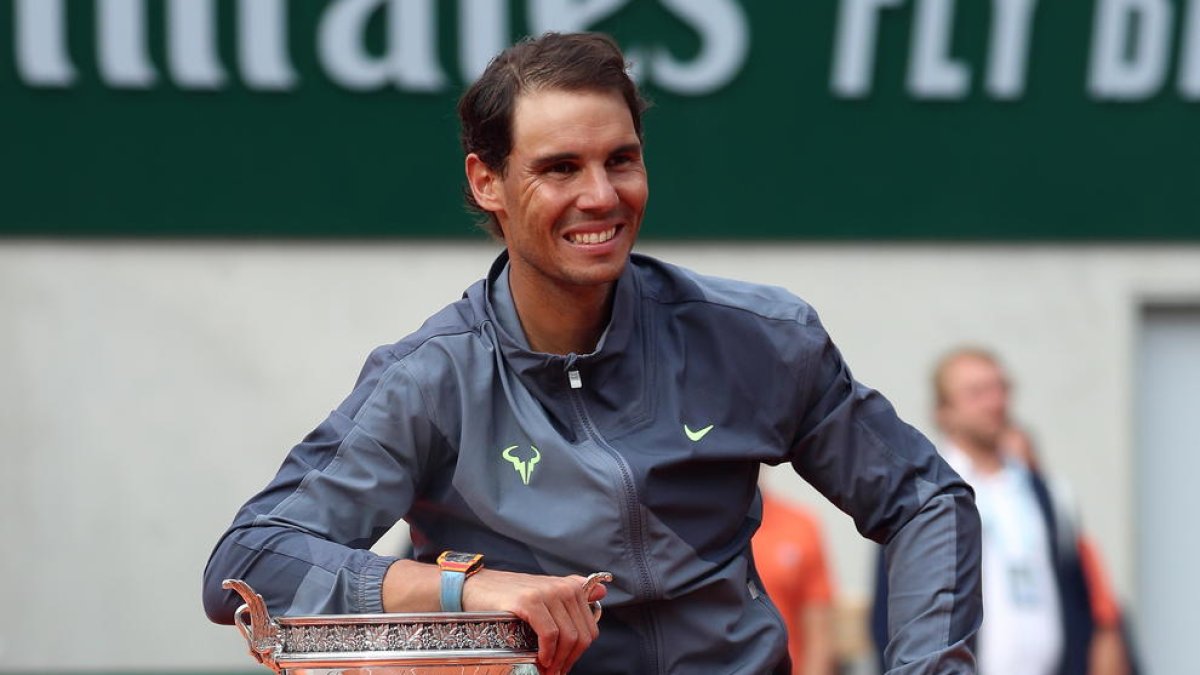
(972, 398)
(570, 62)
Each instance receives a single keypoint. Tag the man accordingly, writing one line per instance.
(1039, 617)
(789, 552)
(583, 409)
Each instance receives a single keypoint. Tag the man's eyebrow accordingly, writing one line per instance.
(549, 160)
(555, 158)
(635, 148)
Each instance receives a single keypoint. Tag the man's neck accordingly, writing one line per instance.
(559, 319)
(985, 459)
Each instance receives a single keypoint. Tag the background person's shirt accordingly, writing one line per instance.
(1022, 629)
(789, 555)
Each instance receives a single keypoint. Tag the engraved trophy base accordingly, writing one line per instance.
(443, 643)
(513, 669)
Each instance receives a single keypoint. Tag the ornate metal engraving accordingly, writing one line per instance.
(493, 669)
(390, 644)
(508, 635)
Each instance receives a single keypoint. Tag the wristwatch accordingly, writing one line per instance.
(456, 567)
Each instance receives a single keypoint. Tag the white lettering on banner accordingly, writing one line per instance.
(410, 61)
(725, 44)
(1129, 66)
(262, 45)
(1008, 51)
(1189, 66)
(192, 44)
(41, 44)
(121, 32)
(932, 73)
(854, 46)
(569, 16)
(1130, 58)
(483, 33)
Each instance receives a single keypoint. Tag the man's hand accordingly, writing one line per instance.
(555, 607)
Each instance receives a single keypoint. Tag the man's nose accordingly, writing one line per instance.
(597, 192)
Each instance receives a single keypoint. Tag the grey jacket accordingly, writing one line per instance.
(640, 458)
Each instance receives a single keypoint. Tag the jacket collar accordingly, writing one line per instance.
(502, 311)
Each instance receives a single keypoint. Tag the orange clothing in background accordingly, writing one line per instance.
(790, 557)
(1105, 610)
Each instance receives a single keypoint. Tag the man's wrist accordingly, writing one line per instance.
(455, 568)
(411, 586)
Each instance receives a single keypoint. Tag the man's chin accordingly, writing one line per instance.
(595, 275)
(598, 270)
(987, 439)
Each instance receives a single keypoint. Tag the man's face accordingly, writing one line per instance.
(976, 401)
(572, 197)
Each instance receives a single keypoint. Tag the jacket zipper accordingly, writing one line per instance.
(632, 506)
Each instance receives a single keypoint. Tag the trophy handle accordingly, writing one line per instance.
(255, 624)
(589, 583)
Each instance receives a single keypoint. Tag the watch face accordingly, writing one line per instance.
(459, 558)
(467, 563)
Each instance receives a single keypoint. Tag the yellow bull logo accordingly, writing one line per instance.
(524, 467)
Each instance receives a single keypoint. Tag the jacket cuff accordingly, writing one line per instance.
(368, 597)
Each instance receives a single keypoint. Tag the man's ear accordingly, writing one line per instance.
(485, 184)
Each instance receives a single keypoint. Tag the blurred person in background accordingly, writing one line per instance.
(789, 552)
(1049, 609)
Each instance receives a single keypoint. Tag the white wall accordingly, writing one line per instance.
(146, 390)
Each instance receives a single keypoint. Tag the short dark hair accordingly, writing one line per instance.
(570, 61)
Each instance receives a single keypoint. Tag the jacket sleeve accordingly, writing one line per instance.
(302, 542)
(855, 450)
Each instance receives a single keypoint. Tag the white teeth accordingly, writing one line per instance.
(593, 237)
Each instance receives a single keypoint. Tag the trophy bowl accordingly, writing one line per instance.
(437, 643)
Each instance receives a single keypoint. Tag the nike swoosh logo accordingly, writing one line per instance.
(697, 435)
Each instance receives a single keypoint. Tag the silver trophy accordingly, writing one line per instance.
(442, 643)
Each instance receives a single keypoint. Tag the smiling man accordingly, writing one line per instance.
(583, 408)
(568, 201)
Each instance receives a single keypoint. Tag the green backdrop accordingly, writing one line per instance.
(773, 152)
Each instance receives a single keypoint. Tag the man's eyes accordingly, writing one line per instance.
(567, 168)
(623, 159)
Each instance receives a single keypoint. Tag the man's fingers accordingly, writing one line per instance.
(567, 635)
(582, 614)
(556, 608)
(558, 629)
(597, 593)
(531, 608)
(577, 629)
(585, 625)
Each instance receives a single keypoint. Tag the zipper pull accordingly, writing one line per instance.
(575, 379)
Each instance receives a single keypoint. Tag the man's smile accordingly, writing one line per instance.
(592, 238)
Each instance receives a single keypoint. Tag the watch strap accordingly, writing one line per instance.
(452, 590)
(456, 567)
